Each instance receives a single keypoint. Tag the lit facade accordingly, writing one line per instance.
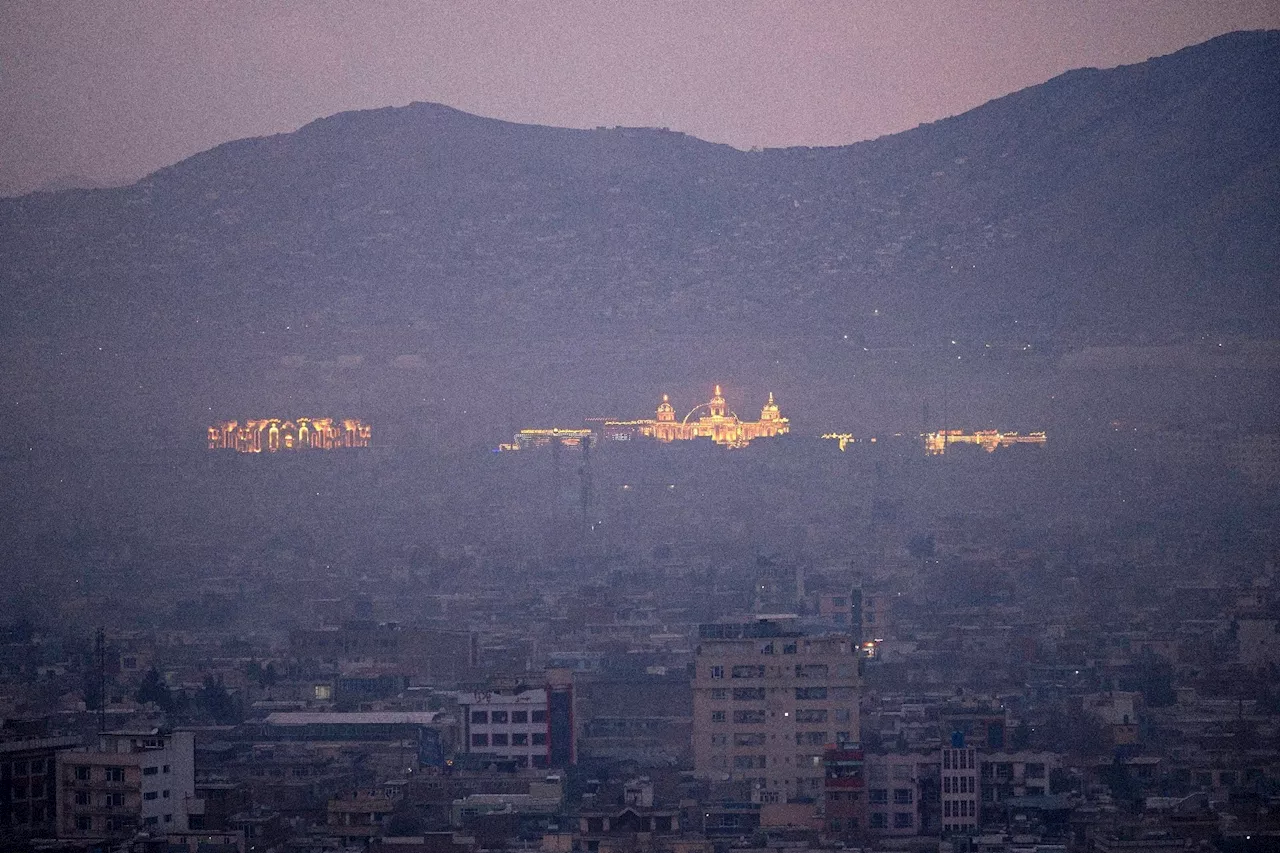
(270, 435)
(712, 419)
(527, 439)
(768, 703)
(936, 443)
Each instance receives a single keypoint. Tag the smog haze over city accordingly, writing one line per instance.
(603, 427)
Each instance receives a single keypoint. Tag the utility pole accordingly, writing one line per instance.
(100, 658)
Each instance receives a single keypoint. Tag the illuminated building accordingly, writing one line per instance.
(935, 443)
(271, 435)
(712, 419)
(526, 439)
(844, 439)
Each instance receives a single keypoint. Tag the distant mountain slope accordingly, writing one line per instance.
(1132, 205)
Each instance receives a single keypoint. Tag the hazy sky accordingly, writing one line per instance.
(116, 89)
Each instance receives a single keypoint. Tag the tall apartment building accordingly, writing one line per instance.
(132, 781)
(959, 788)
(767, 700)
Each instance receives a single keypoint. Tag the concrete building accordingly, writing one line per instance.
(132, 781)
(767, 700)
(959, 788)
(898, 784)
(532, 726)
(506, 725)
(28, 793)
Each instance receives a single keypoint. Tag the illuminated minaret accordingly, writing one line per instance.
(665, 411)
(717, 404)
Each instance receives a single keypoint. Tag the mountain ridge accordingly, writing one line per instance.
(1130, 205)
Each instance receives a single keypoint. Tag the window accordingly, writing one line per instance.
(717, 672)
(82, 798)
(748, 739)
(539, 738)
(811, 738)
(113, 800)
(479, 740)
(719, 694)
(499, 739)
(150, 771)
(878, 796)
(748, 694)
(1035, 771)
(745, 716)
(498, 717)
(165, 794)
(519, 716)
(842, 715)
(538, 716)
(150, 795)
(83, 823)
(748, 671)
(805, 693)
(479, 718)
(811, 715)
(903, 820)
(748, 762)
(165, 769)
(717, 716)
(168, 818)
(82, 774)
(811, 670)
(151, 821)
(902, 796)
(520, 739)
(720, 740)
(789, 649)
(115, 774)
(879, 820)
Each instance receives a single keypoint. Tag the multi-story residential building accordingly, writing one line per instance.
(534, 727)
(767, 700)
(28, 798)
(899, 785)
(959, 788)
(131, 781)
(1006, 775)
(844, 793)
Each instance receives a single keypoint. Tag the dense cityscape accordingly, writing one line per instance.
(420, 447)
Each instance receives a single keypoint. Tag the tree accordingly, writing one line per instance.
(921, 546)
(154, 690)
(215, 702)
